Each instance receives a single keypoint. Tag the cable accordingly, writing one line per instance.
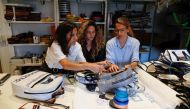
(188, 40)
(176, 19)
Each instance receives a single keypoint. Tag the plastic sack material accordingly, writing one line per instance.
(177, 60)
(86, 77)
(181, 55)
(108, 81)
(115, 80)
(38, 85)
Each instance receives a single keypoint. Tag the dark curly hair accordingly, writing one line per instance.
(98, 41)
(60, 36)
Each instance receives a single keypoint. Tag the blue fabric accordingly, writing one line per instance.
(122, 56)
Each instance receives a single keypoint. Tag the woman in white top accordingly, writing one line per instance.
(66, 53)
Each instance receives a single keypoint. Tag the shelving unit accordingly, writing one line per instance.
(122, 5)
(39, 28)
(49, 9)
(87, 7)
(30, 22)
(31, 44)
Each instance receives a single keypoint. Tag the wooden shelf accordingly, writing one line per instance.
(89, 0)
(99, 23)
(29, 44)
(29, 22)
(134, 1)
(29, 64)
(134, 28)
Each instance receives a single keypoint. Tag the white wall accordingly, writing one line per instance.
(5, 50)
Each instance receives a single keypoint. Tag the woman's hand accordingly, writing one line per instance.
(105, 63)
(113, 68)
(132, 65)
(96, 68)
(127, 66)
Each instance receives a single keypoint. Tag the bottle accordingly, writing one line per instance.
(34, 58)
(36, 39)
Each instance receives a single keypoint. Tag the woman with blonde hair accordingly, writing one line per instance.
(123, 49)
(92, 41)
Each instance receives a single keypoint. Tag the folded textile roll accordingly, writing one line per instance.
(86, 77)
(121, 79)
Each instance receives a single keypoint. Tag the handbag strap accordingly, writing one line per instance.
(174, 53)
(164, 59)
(187, 57)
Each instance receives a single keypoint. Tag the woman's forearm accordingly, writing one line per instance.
(68, 65)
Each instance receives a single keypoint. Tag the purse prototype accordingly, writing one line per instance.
(38, 85)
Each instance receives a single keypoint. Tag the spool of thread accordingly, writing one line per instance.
(120, 100)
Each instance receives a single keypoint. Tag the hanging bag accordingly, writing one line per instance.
(178, 61)
(181, 55)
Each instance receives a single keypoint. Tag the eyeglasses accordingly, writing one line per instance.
(119, 30)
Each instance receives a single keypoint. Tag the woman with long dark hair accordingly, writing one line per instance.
(66, 53)
(92, 42)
